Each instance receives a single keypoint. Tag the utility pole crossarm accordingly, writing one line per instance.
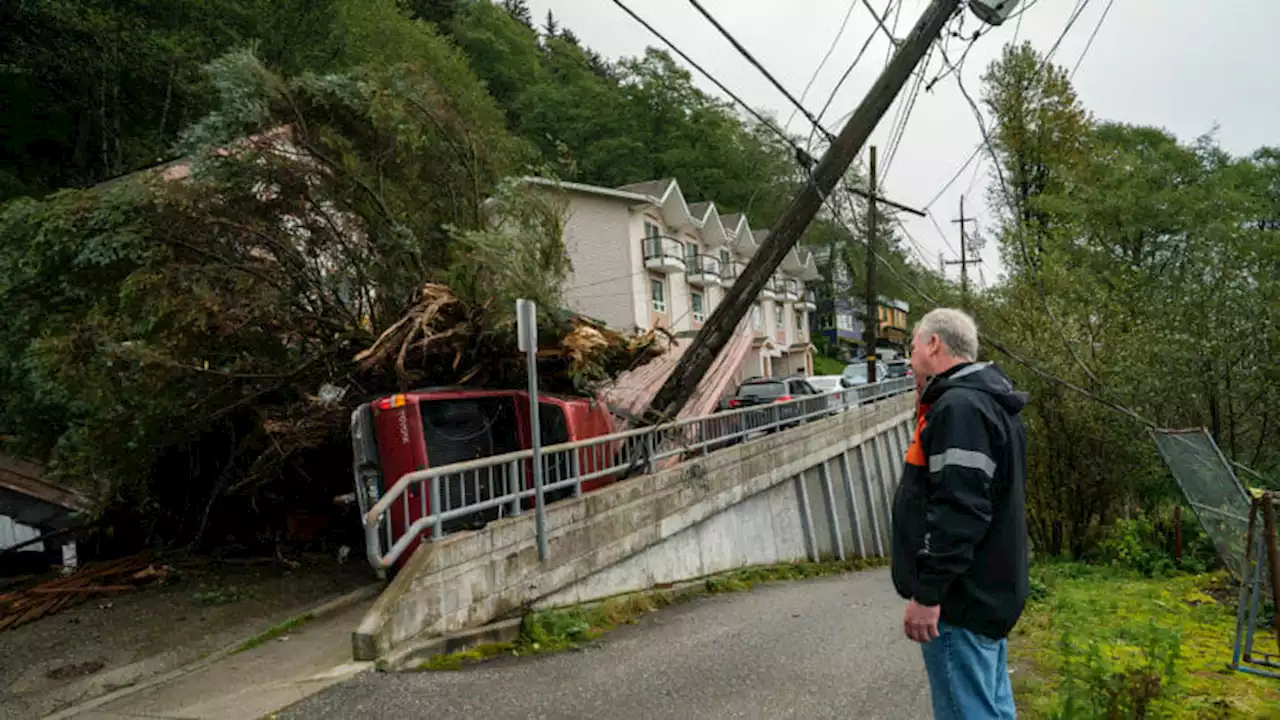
(719, 328)
(882, 199)
(964, 260)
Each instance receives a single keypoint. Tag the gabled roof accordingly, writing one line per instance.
(731, 229)
(653, 188)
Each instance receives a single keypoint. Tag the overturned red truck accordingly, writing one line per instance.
(421, 429)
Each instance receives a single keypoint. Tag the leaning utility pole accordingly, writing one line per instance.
(719, 328)
(964, 260)
(871, 321)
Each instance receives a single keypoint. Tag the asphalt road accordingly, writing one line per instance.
(831, 647)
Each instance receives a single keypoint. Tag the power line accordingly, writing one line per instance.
(826, 198)
(1004, 188)
(801, 153)
(978, 149)
(936, 226)
(848, 71)
(853, 5)
(972, 156)
(1092, 35)
(904, 115)
(1001, 347)
(763, 71)
(893, 41)
(897, 15)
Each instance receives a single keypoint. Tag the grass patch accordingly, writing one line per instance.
(275, 631)
(563, 629)
(1098, 643)
(479, 653)
(823, 365)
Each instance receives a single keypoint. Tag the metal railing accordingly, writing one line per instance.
(698, 264)
(790, 289)
(469, 493)
(663, 247)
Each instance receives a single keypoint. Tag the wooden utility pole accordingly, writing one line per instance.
(964, 260)
(719, 328)
(871, 322)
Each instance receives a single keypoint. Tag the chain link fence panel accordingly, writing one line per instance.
(1211, 488)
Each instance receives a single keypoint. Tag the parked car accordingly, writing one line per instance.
(897, 369)
(827, 384)
(756, 392)
(403, 433)
(856, 372)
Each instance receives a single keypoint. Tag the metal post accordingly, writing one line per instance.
(527, 321)
(806, 518)
(437, 528)
(846, 475)
(515, 485)
(833, 512)
(1273, 557)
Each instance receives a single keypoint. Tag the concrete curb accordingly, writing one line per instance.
(324, 609)
(413, 654)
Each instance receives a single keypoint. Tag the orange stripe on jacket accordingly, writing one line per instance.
(915, 451)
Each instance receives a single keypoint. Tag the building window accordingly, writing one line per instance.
(844, 321)
(799, 321)
(658, 293)
(778, 317)
(724, 259)
(755, 317)
(699, 310)
(651, 230)
(690, 254)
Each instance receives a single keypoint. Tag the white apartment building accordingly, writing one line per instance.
(644, 257)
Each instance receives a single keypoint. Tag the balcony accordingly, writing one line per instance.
(703, 270)
(730, 272)
(790, 291)
(770, 290)
(663, 254)
(810, 302)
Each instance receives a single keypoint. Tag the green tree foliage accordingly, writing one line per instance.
(179, 323)
(1143, 269)
(92, 89)
(168, 331)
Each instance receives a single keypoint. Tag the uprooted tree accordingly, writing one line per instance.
(185, 343)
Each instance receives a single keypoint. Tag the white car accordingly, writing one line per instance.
(829, 384)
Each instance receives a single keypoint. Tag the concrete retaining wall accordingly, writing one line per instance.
(820, 490)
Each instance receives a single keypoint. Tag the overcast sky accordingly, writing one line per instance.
(1182, 65)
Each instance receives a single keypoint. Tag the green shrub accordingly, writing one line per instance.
(1131, 674)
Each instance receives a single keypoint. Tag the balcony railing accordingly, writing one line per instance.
(730, 272)
(810, 301)
(772, 288)
(703, 270)
(664, 254)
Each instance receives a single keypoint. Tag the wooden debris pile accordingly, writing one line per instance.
(109, 578)
(441, 340)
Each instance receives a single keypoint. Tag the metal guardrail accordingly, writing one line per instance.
(464, 494)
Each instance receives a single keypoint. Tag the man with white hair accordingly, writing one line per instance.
(960, 550)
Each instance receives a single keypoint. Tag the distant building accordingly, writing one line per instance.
(840, 307)
(643, 257)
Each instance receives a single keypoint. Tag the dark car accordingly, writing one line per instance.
(897, 369)
(767, 391)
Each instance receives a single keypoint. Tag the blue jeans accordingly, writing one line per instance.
(968, 675)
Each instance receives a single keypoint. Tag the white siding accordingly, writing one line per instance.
(595, 236)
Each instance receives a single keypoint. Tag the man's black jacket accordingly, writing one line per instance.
(959, 514)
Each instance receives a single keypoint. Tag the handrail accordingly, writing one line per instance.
(646, 445)
(662, 246)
